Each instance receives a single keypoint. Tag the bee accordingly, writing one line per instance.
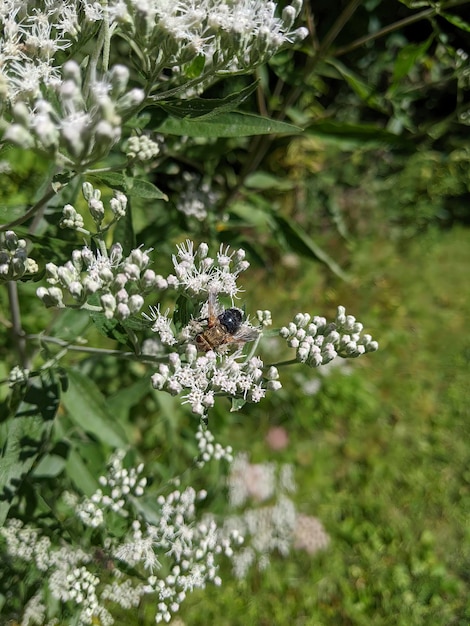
(223, 329)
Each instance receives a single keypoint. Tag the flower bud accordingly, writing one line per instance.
(288, 16)
(91, 285)
(119, 281)
(65, 275)
(303, 352)
(136, 302)
(122, 296)
(158, 381)
(18, 135)
(118, 77)
(108, 302)
(11, 240)
(148, 279)
(50, 297)
(52, 273)
(130, 100)
(122, 311)
(71, 71)
(88, 191)
(118, 204)
(115, 254)
(96, 209)
(299, 34)
(76, 289)
(273, 373)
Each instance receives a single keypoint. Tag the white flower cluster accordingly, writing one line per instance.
(14, 259)
(223, 35)
(71, 218)
(197, 198)
(205, 376)
(29, 40)
(209, 449)
(76, 126)
(227, 36)
(192, 545)
(68, 571)
(77, 119)
(161, 325)
(278, 527)
(170, 550)
(120, 485)
(318, 342)
(197, 273)
(142, 148)
(119, 281)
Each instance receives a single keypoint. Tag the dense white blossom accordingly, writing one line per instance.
(202, 377)
(197, 273)
(174, 553)
(74, 114)
(317, 342)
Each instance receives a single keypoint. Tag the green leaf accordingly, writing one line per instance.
(184, 311)
(264, 180)
(196, 67)
(80, 474)
(138, 187)
(10, 213)
(23, 437)
(357, 133)
(298, 241)
(364, 91)
(237, 404)
(70, 324)
(407, 58)
(226, 125)
(121, 402)
(207, 107)
(50, 466)
(253, 215)
(87, 407)
(110, 328)
(456, 21)
(142, 188)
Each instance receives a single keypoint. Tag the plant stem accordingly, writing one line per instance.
(431, 12)
(100, 351)
(282, 363)
(17, 329)
(90, 76)
(36, 207)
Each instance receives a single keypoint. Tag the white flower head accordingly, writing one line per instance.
(161, 324)
(199, 274)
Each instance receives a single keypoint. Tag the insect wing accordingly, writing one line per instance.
(212, 308)
(245, 333)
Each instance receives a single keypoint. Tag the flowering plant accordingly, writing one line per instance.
(98, 130)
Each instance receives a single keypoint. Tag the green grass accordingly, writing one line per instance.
(382, 457)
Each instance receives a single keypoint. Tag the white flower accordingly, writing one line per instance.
(211, 374)
(161, 325)
(197, 273)
(317, 342)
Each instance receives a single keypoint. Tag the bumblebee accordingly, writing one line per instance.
(223, 329)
